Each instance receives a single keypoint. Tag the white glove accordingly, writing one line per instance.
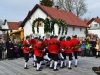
(62, 49)
(30, 47)
(34, 58)
(44, 50)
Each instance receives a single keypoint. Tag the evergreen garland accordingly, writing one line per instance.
(37, 20)
(62, 29)
(38, 27)
(52, 25)
(66, 29)
(47, 27)
(61, 23)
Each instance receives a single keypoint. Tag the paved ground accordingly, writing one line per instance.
(15, 67)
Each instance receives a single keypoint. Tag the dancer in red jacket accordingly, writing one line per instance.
(26, 45)
(38, 52)
(62, 54)
(33, 41)
(68, 50)
(53, 48)
(75, 42)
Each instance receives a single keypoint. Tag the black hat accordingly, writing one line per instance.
(51, 36)
(27, 37)
(68, 38)
(55, 36)
(75, 36)
(36, 38)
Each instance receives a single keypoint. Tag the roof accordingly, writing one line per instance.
(13, 25)
(69, 17)
(86, 21)
(96, 19)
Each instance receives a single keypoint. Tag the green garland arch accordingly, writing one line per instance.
(47, 26)
(37, 20)
(61, 23)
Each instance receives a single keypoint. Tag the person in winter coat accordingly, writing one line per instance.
(83, 46)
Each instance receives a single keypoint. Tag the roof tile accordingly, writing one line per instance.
(13, 25)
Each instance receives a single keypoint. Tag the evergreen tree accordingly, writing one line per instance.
(49, 3)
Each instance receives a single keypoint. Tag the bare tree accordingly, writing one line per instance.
(78, 7)
(60, 3)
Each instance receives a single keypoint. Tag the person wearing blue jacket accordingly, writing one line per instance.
(83, 46)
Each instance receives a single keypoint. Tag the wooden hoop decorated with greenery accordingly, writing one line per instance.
(47, 26)
(36, 23)
(62, 25)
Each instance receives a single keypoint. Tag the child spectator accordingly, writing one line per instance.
(83, 46)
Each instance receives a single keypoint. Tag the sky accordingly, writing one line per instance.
(17, 10)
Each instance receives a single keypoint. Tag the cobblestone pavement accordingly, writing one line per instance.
(15, 67)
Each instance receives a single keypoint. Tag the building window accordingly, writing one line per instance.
(95, 25)
(73, 28)
(80, 29)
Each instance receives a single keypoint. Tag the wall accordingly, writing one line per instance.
(28, 24)
(95, 32)
(5, 26)
(94, 29)
(41, 14)
(78, 32)
(93, 24)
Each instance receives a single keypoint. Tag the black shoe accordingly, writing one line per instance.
(65, 66)
(25, 68)
(96, 57)
(39, 70)
(75, 65)
(56, 69)
(50, 67)
(69, 68)
(62, 67)
(35, 66)
(43, 64)
(47, 65)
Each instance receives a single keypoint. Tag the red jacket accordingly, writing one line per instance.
(33, 42)
(68, 46)
(44, 42)
(25, 49)
(62, 45)
(75, 42)
(53, 46)
(37, 51)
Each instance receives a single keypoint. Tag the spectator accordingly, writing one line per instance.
(10, 50)
(98, 49)
(1, 47)
(83, 46)
(88, 49)
(4, 54)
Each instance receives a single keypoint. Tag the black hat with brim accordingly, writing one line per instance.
(75, 36)
(68, 38)
(27, 37)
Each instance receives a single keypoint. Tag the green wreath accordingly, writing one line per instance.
(61, 23)
(37, 20)
(47, 27)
